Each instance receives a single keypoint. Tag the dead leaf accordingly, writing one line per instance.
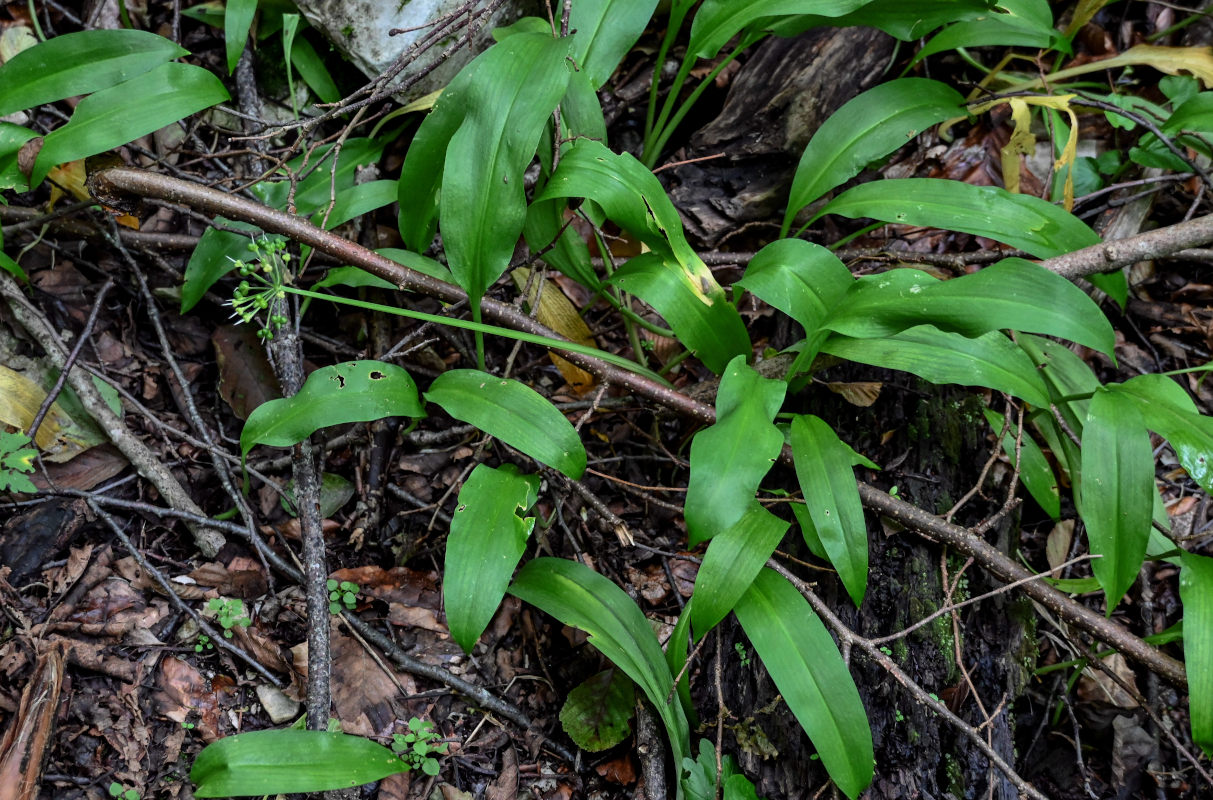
(857, 393)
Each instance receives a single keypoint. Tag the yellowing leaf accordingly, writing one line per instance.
(558, 313)
(1023, 142)
(20, 399)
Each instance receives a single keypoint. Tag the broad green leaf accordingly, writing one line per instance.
(9, 265)
(214, 256)
(1012, 294)
(486, 542)
(606, 31)
(483, 198)
(804, 663)
(356, 391)
(80, 63)
(1066, 375)
(237, 19)
(283, 761)
(803, 280)
(866, 128)
(729, 459)
(423, 264)
(902, 19)
(595, 715)
(1034, 472)
(319, 179)
(676, 658)
(581, 598)
(827, 480)
(734, 557)
(1023, 23)
(1168, 411)
(1117, 491)
(672, 279)
(991, 360)
(514, 413)
(1196, 592)
(352, 277)
(718, 21)
(315, 74)
(1029, 223)
(103, 120)
(714, 332)
(699, 778)
(354, 201)
(12, 137)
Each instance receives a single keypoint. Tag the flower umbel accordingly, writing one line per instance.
(264, 275)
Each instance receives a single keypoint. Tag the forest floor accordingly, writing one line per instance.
(102, 590)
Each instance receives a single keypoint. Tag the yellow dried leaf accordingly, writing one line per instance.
(857, 393)
(20, 399)
(558, 313)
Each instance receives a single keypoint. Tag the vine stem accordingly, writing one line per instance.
(110, 185)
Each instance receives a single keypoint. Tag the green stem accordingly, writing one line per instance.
(479, 337)
(482, 328)
(666, 130)
(678, 12)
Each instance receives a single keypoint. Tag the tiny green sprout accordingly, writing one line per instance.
(230, 613)
(189, 726)
(341, 594)
(898, 715)
(16, 458)
(887, 651)
(418, 747)
(204, 643)
(893, 491)
(742, 654)
(118, 790)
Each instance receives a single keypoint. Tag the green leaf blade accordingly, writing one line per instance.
(577, 596)
(803, 280)
(1028, 223)
(729, 459)
(486, 543)
(734, 558)
(1196, 592)
(514, 413)
(483, 206)
(80, 63)
(866, 128)
(283, 761)
(356, 391)
(596, 713)
(103, 121)
(940, 357)
(1117, 493)
(237, 20)
(827, 480)
(810, 674)
(1013, 294)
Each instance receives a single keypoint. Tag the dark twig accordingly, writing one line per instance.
(70, 361)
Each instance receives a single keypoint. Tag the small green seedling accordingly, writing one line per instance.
(204, 643)
(742, 654)
(230, 613)
(342, 594)
(118, 790)
(417, 748)
(16, 458)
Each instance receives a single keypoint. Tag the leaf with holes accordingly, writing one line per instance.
(356, 391)
(486, 542)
